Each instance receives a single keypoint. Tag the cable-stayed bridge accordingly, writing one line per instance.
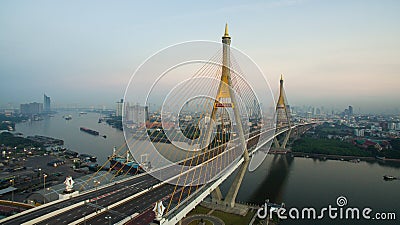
(219, 143)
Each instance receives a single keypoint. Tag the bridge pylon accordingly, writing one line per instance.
(225, 91)
(282, 117)
(226, 97)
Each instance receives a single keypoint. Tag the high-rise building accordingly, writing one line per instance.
(255, 111)
(359, 132)
(136, 114)
(31, 108)
(119, 107)
(46, 103)
(318, 111)
(392, 126)
(350, 110)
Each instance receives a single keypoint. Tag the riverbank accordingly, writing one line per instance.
(16, 142)
(335, 149)
(310, 145)
(331, 157)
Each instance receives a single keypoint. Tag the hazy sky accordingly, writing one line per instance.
(332, 53)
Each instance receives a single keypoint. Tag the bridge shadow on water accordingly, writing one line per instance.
(266, 182)
(272, 186)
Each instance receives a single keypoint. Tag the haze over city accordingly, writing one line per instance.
(332, 53)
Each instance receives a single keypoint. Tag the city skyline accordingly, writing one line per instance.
(332, 54)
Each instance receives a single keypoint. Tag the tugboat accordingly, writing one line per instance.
(355, 160)
(383, 158)
(125, 164)
(87, 158)
(273, 207)
(388, 177)
(67, 117)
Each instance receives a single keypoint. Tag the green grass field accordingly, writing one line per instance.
(229, 219)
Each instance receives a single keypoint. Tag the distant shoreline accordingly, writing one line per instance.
(330, 157)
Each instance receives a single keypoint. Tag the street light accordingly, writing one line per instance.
(96, 183)
(44, 188)
(109, 219)
(40, 175)
(84, 218)
(13, 183)
(47, 192)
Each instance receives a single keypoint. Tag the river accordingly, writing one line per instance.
(74, 139)
(298, 182)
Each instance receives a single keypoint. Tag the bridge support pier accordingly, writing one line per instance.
(285, 140)
(230, 199)
(276, 143)
(216, 196)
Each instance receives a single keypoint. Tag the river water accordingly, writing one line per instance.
(74, 139)
(298, 182)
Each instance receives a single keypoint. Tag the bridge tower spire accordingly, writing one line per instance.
(282, 116)
(225, 91)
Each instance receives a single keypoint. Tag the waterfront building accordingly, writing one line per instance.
(120, 104)
(136, 114)
(46, 103)
(31, 108)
